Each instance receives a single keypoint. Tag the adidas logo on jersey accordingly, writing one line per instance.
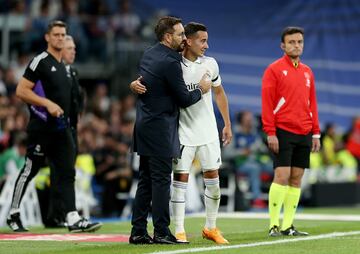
(53, 68)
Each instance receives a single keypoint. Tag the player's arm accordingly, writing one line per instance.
(222, 103)
(24, 91)
(182, 96)
(315, 117)
(80, 93)
(267, 109)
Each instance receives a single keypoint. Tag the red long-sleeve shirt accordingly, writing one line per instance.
(289, 98)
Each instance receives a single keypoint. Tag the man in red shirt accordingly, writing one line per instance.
(290, 120)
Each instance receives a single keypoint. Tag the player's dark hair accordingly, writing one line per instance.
(193, 27)
(55, 23)
(291, 30)
(165, 25)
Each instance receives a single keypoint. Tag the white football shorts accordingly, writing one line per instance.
(209, 156)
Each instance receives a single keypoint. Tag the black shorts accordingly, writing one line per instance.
(294, 150)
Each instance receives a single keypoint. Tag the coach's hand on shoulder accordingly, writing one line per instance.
(54, 109)
(273, 143)
(205, 84)
(137, 87)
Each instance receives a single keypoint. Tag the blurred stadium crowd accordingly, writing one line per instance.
(91, 23)
(106, 125)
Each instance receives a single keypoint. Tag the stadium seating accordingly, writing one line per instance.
(244, 36)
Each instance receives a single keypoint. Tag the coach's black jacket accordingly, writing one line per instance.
(77, 97)
(157, 110)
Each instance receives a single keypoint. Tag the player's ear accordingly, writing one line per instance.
(282, 46)
(168, 37)
(47, 38)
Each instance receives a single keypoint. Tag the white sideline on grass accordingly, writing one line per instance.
(256, 244)
(298, 216)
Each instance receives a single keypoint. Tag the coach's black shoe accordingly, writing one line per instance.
(84, 225)
(141, 239)
(55, 223)
(274, 231)
(292, 231)
(165, 239)
(14, 222)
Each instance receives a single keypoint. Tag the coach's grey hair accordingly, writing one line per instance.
(68, 38)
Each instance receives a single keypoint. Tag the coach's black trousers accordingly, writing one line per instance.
(56, 209)
(59, 149)
(153, 193)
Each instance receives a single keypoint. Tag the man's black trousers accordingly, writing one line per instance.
(59, 149)
(153, 193)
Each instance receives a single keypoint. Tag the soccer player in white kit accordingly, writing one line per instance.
(199, 136)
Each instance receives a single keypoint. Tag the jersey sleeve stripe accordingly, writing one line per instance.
(35, 62)
(279, 105)
(213, 80)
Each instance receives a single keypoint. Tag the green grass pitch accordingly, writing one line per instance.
(238, 231)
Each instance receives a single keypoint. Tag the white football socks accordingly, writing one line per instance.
(72, 217)
(212, 201)
(14, 210)
(178, 205)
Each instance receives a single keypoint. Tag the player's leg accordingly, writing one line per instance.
(277, 194)
(55, 217)
(212, 197)
(35, 156)
(291, 201)
(62, 156)
(300, 161)
(279, 186)
(181, 169)
(210, 160)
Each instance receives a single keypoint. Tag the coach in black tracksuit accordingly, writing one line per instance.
(47, 90)
(156, 137)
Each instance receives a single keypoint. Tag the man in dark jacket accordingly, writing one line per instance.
(156, 137)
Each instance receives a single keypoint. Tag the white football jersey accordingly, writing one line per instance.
(197, 122)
